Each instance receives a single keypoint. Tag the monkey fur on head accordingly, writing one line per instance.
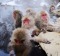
(30, 12)
(42, 21)
(21, 37)
(28, 22)
(17, 18)
(19, 43)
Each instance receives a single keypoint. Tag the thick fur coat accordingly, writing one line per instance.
(42, 21)
(21, 37)
(17, 18)
(19, 42)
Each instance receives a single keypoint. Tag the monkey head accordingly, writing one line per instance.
(28, 22)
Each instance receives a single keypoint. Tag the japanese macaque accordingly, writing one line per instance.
(42, 21)
(42, 18)
(22, 37)
(36, 32)
(31, 12)
(57, 23)
(52, 7)
(57, 12)
(28, 23)
(17, 18)
(21, 42)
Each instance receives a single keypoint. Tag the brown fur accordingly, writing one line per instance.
(23, 46)
(17, 18)
(35, 32)
(21, 49)
(30, 12)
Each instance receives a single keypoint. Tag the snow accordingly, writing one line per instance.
(3, 54)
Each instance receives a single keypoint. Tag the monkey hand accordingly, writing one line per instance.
(47, 42)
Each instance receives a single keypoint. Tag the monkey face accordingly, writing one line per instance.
(28, 22)
(43, 16)
(18, 36)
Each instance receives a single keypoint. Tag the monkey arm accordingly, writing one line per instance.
(40, 39)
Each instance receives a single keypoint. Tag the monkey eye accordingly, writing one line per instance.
(19, 41)
(44, 15)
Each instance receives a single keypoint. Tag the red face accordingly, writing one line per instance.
(44, 17)
(26, 21)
